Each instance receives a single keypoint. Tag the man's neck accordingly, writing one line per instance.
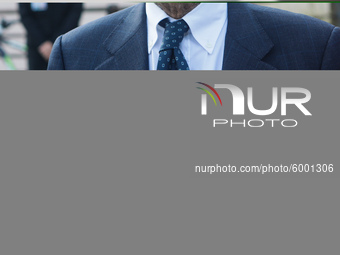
(177, 10)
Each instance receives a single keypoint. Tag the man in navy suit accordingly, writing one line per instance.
(255, 38)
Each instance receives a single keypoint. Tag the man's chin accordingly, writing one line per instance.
(177, 10)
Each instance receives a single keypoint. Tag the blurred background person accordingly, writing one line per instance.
(112, 8)
(44, 22)
(335, 12)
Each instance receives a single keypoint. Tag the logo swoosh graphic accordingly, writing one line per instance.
(213, 90)
(208, 92)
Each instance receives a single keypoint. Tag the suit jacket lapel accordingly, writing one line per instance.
(128, 43)
(246, 42)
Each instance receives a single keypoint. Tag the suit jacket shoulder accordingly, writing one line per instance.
(282, 39)
(102, 42)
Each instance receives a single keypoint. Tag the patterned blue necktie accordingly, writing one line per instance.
(170, 56)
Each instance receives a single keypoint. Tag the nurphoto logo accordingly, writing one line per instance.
(282, 97)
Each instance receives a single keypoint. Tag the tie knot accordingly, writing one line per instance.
(173, 33)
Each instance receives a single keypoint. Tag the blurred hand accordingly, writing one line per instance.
(45, 49)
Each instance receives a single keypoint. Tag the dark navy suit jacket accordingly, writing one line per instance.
(258, 38)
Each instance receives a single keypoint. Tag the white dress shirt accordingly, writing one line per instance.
(202, 45)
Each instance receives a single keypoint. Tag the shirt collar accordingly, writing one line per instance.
(200, 20)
